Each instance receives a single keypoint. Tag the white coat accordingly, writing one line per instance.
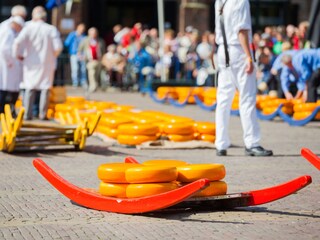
(10, 67)
(39, 44)
(236, 17)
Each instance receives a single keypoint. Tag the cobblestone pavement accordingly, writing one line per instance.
(30, 208)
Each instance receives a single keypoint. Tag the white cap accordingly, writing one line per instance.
(18, 20)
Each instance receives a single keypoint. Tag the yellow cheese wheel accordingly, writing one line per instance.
(113, 121)
(193, 172)
(114, 172)
(178, 128)
(214, 189)
(166, 162)
(135, 139)
(123, 107)
(304, 107)
(151, 174)
(207, 138)
(303, 115)
(180, 138)
(110, 132)
(205, 127)
(138, 129)
(270, 110)
(113, 189)
(148, 189)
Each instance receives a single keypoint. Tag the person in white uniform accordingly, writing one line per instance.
(17, 10)
(10, 67)
(38, 45)
(239, 74)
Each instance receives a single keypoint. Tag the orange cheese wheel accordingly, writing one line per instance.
(180, 138)
(193, 172)
(304, 107)
(148, 189)
(114, 172)
(207, 138)
(166, 162)
(205, 127)
(113, 121)
(117, 190)
(151, 174)
(303, 115)
(178, 128)
(214, 189)
(135, 139)
(138, 129)
(110, 132)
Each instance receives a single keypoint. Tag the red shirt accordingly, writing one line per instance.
(94, 52)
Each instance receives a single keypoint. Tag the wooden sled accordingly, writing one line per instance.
(311, 157)
(179, 198)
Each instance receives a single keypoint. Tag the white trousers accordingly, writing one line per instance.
(231, 79)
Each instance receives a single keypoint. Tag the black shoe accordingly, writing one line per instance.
(258, 151)
(221, 152)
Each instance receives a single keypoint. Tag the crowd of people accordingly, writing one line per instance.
(132, 59)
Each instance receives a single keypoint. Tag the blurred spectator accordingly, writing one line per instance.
(38, 45)
(143, 67)
(10, 67)
(78, 66)
(17, 10)
(114, 63)
(91, 50)
(300, 76)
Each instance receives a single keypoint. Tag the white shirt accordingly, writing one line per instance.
(10, 67)
(237, 17)
(39, 43)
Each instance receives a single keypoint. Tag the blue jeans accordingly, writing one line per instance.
(78, 71)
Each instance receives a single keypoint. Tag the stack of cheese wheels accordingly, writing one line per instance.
(191, 172)
(168, 92)
(109, 124)
(304, 110)
(205, 131)
(262, 99)
(135, 133)
(128, 180)
(270, 106)
(209, 96)
(184, 93)
(179, 131)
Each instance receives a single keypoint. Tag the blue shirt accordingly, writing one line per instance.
(277, 64)
(72, 42)
(304, 63)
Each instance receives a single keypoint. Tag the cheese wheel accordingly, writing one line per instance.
(113, 189)
(178, 128)
(110, 132)
(138, 129)
(166, 162)
(214, 189)
(151, 174)
(148, 189)
(303, 115)
(207, 138)
(304, 107)
(135, 139)
(193, 172)
(113, 121)
(180, 138)
(205, 127)
(114, 172)
(271, 110)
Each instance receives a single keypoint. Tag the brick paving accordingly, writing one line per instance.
(30, 208)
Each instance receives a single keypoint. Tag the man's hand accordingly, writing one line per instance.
(250, 67)
(288, 95)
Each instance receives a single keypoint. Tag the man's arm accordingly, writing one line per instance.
(243, 36)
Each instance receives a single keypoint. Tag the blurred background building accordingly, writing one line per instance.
(104, 14)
